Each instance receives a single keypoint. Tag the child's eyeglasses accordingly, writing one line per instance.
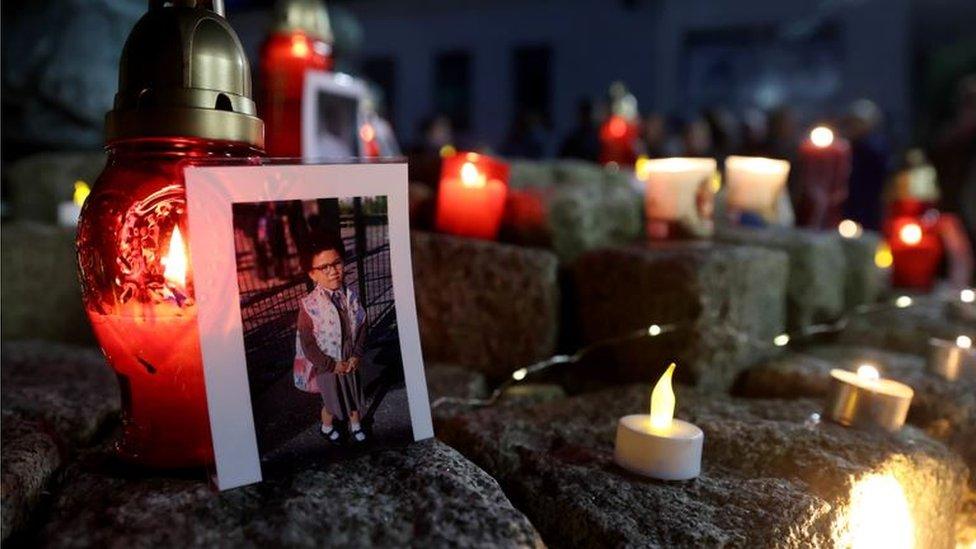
(334, 266)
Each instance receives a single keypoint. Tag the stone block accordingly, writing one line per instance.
(483, 305)
(817, 281)
(946, 410)
(424, 495)
(906, 330)
(725, 298)
(865, 282)
(570, 206)
(770, 477)
(70, 389)
(450, 381)
(30, 458)
(39, 284)
(40, 182)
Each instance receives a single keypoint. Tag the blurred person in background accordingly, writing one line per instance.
(954, 156)
(655, 135)
(755, 133)
(783, 136)
(583, 141)
(725, 130)
(526, 137)
(870, 163)
(696, 138)
(436, 132)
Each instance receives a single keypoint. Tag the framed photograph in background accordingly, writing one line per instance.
(308, 323)
(332, 113)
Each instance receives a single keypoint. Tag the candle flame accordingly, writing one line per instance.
(175, 260)
(967, 295)
(299, 46)
(82, 190)
(662, 401)
(849, 228)
(964, 342)
(470, 176)
(883, 258)
(879, 514)
(867, 371)
(903, 301)
(910, 233)
(821, 136)
(367, 133)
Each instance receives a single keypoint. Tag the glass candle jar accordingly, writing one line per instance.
(138, 293)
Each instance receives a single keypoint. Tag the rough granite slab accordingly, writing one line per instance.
(718, 292)
(865, 282)
(570, 206)
(425, 495)
(39, 284)
(31, 456)
(818, 268)
(68, 387)
(945, 409)
(771, 477)
(483, 305)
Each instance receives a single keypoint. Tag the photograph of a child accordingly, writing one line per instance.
(320, 333)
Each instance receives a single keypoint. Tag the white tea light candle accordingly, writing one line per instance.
(952, 360)
(755, 183)
(657, 445)
(867, 401)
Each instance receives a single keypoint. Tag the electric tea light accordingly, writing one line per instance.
(867, 401)
(657, 445)
(183, 95)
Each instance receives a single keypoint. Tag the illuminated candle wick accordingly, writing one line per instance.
(964, 342)
(470, 176)
(822, 136)
(662, 402)
(910, 233)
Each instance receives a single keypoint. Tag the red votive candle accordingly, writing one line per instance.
(471, 198)
(618, 141)
(823, 172)
(912, 235)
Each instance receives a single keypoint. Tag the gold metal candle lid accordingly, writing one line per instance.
(308, 16)
(183, 73)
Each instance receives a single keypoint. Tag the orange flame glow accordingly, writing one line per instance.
(175, 260)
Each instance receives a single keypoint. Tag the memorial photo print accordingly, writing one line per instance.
(319, 321)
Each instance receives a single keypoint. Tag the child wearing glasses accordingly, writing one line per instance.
(329, 340)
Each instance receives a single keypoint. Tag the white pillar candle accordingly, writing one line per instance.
(754, 183)
(952, 360)
(657, 445)
(677, 190)
(866, 401)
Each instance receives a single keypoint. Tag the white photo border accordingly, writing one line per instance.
(336, 83)
(211, 192)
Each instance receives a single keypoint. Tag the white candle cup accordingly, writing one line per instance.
(951, 361)
(68, 213)
(673, 453)
(754, 184)
(678, 190)
(869, 404)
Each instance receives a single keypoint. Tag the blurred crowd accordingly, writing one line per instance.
(719, 132)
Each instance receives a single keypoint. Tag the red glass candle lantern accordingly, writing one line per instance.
(182, 96)
(912, 232)
(300, 41)
(823, 172)
(471, 198)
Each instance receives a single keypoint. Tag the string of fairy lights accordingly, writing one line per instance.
(781, 340)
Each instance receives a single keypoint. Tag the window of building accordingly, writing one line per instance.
(531, 66)
(381, 71)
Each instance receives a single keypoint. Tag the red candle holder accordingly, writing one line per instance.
(916, 249)
(137, 283)
(824, 168)
(618, 141)
(285, 58)
(471, 198)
